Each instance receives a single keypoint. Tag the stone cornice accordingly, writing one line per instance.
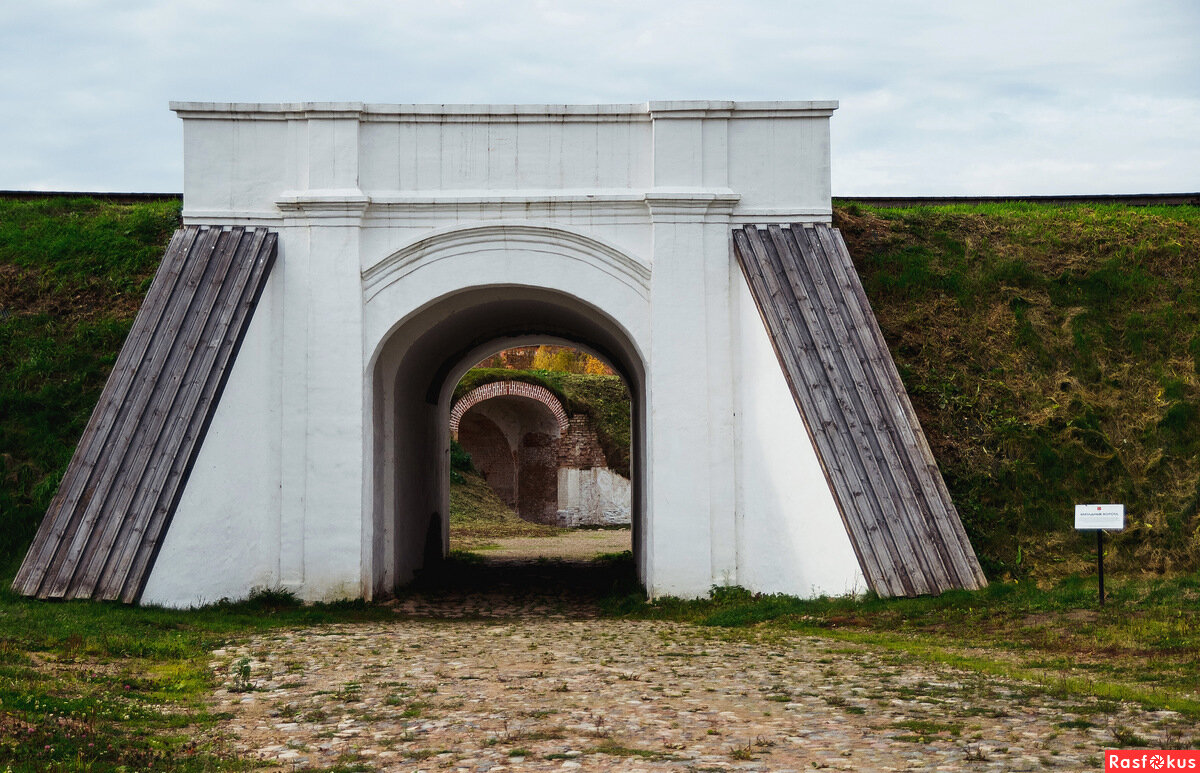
(615, 113)
(683, 205)
(662, 204)
(346, 205)
(660, 201)
(724, 109)
(405, 199)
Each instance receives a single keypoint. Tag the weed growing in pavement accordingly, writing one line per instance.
(241, 675)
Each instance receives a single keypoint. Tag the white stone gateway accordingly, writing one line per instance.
(416, 240)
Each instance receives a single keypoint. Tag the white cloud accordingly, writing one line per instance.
(937, 97)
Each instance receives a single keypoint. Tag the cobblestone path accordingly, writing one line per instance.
(560, 689)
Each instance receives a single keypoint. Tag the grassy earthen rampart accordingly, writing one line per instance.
(1051, 352)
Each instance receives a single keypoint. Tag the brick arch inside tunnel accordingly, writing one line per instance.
(513, 443)
(512, 429)
(508, 388)
(493, 455)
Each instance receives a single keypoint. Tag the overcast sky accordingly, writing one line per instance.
(937, 98)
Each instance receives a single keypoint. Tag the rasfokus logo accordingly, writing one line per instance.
(1151, 759)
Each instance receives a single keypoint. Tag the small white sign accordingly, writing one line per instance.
(1100, 517)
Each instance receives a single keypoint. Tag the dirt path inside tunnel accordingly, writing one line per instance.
(573, 545)
(508, 665)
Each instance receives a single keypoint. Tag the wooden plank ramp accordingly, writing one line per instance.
(897, 511)
(107, 521)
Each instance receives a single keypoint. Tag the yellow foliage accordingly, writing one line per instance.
(554, 358)
(593, 366)
(564, 359)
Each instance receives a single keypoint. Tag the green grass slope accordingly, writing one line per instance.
(478, 516)
(72, 274)
(1051, 352)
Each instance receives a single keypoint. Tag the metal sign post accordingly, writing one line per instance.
(1099, 518)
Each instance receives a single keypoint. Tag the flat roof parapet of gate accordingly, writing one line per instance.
(403, 163)
(504, 389)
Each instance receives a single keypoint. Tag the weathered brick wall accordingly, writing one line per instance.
(537, 478)
(579, 447)
(517, 358)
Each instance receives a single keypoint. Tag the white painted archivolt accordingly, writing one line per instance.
(500, 239)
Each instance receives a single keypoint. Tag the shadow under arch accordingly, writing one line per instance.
(412, 381)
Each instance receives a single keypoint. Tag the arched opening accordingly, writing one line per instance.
(510, 432)
(413, 380)
(493, 454)
(540, 460)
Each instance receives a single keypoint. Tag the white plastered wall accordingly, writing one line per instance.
(596, 496)
(385, 210)
(223, 539)
(790, 533)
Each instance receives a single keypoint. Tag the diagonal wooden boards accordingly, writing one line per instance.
(903, 527)
(107, 521)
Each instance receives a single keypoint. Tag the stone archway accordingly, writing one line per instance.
(415, 240)
(421, 359)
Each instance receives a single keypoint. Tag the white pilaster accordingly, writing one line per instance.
(323, 518)
(690, 537)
